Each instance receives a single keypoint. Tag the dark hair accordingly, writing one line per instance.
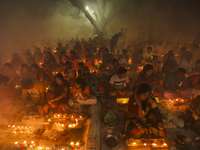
(4, 79)
(7, 64)
(182, 70)
(183, 48)
(171, 51)
(81, 82)
(147, 68)
(81, 64)
(25, 83)
(73, 52)
(149, 48)
(106, 49)
(68, 63)
(122, 70)
(124, 51)
(154, 57)
(24, 65)
(35, 66)
(60, 76)
(143, 88)
(115, 60)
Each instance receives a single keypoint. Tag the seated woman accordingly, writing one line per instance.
(69, 72)
(25, 71)
(63, 59)
(81, 93)
(38, 73)
(143, 114)
(147, 76)
(170, 65)
(156, 65)
(59, 93)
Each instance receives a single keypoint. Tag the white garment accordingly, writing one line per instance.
(117, 82)
(91, 101)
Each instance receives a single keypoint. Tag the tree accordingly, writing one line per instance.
(97, 11)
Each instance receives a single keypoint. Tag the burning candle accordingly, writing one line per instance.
(17, 144)
(78, 145)
(69, 125)
(25, 144)
(49, 120)
(74, 125)
(9, 126)
(72, 144)
(32, 142)
(76, 121)
(13, 126)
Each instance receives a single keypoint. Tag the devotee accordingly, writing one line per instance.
(69, 72)
(107, 57)
(170, 65)
(167, 55)
(81, 93)
(77, 47)
(148, 54)
(142, 109)
(119, 83)
(83, 71)
(147, 76)
(113, 68)
(30, 59)
(38, 54)
(175, 85)
(36, 100)
(8, 88)
(63, 59)
(49, 59)
(123, 58)
(25, 71)
(40, 74)
(182, 53)
(156, 65)
(113, 42)
(73, 56)
(8, 71)
(60, 89)
(188, 63)
(16, 61)
(137, 57)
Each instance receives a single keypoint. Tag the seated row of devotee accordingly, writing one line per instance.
(58, 95)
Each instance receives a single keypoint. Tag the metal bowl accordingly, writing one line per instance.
(111, 141)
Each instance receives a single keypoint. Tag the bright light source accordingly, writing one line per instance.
(87, 7)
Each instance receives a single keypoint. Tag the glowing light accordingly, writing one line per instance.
(73, 125)
(87, 7)
(16, 143)
(70, 126)
(154, 144)
(13, 126)
(77, 143)
(15, 132)
(81, 117)
(9, 126)
(164, 144)
(134, 143)
(49, 119)
(62, 125)
(145, 144)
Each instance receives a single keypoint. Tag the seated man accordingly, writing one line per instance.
(83, 71)
(123, 58)
(36, 91)
(113, 68)
(175, 85)
(148, 54)
(107, 57)
(188, 63)
(119, 83)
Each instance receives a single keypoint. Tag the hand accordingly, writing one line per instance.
(141, 129)
(121, 92)
(161, 133)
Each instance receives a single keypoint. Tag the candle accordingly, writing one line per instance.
(49, 120)
(72, 144)
(74, 125)
(25, 144)
(17, 144)
(69, 125)
(9, 126)
(78, 145)
(76, 121)
(13, 126)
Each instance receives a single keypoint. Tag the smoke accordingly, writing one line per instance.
(28, 23)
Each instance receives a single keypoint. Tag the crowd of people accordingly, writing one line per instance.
(57, 79)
